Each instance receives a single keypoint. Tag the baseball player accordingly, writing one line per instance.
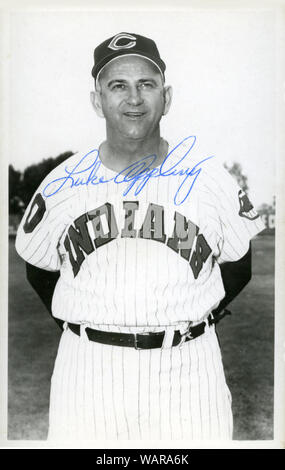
(152, 241)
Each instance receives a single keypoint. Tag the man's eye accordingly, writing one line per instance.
(119, 86)
(146, 85)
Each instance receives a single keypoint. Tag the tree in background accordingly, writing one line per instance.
(15, 202)
(236, 171)
(23, 186)
(34, 174)
(267, 213)
(267, 208)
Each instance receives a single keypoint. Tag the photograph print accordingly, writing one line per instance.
(141, 226)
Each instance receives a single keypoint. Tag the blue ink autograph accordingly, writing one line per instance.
(134, 176)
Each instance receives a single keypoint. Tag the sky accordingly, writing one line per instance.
(221, 64)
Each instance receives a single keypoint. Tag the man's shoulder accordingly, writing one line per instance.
(215, 176)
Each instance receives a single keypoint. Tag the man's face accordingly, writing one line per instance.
(132, 97)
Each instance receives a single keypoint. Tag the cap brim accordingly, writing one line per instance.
(96, 70)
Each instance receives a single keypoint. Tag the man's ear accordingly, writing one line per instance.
(95, 98)
(168, 92)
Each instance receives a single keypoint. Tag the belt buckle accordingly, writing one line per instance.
(136, 346)
(136, 341)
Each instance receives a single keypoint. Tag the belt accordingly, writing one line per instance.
(148, 340)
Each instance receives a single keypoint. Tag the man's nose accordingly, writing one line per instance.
(134, 97)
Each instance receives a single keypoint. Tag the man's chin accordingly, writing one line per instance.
(135, 134)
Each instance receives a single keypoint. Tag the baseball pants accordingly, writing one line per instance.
(103, 392)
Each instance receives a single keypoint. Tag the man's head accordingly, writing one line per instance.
(129, 86)
(126, 44)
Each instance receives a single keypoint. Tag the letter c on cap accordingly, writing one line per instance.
(116, 47)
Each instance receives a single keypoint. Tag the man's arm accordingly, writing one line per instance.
(43, 283)
(235, 275)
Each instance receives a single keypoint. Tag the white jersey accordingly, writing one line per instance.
(132, 253)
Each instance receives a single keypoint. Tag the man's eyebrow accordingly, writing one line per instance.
(141, 80)
(152, 80)
(117, 80)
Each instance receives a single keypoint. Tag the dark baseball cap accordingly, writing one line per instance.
(126, 44)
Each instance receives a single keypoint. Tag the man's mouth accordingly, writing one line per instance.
(134, 114)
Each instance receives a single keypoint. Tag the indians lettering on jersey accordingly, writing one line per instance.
(78, 242)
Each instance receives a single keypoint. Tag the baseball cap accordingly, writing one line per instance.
(126, 44)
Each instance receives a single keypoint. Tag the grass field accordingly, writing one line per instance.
(246, 337)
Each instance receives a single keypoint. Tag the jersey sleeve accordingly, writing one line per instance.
(238, 221)
(41, 227)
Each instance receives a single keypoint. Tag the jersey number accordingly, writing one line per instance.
(29, 225)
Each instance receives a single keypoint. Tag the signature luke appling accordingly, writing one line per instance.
(135, 176)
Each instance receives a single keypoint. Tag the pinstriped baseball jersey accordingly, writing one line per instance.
(131, 255)
(138, 255)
